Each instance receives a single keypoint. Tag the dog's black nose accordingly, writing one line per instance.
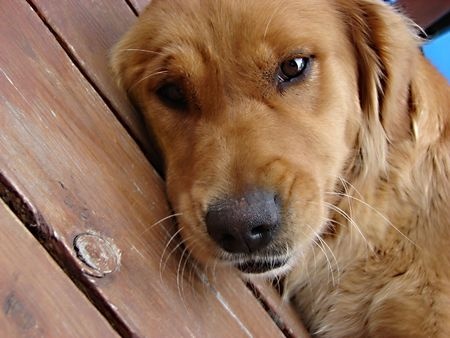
(245, 224)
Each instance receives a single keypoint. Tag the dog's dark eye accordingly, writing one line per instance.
(172, 95)
(292, 68)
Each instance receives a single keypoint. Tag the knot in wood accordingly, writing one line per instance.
(99, 254)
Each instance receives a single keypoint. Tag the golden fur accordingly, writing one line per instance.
(358, 150)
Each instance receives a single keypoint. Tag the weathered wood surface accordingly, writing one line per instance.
(81, 173)
(37, 299)
(87, 30)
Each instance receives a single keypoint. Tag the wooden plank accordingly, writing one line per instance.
(283, 314)
(37, 299)
(81, 173)
(88, 30)
(139, 5)
(425, 12)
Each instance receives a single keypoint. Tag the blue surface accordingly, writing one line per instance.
(438, 51)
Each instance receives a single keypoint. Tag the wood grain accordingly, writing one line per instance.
(37, 299)
(70, 159)
(88, 30)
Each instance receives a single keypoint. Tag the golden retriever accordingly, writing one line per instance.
(305, 138)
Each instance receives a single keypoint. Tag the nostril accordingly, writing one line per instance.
(259, 230)
(276, 199)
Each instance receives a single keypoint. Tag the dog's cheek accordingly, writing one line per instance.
(186, 204)
(301, 194)
(305, 216)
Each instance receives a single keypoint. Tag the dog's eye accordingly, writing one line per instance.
(172, 95)
(292, 68)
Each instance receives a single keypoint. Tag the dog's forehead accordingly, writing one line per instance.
(235, 28)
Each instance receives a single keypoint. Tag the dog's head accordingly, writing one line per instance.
(260, 108)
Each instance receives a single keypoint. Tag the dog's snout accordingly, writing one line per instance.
(245, 224)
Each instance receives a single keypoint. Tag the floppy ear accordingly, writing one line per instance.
(128, 62)
(129, 56)
(386, 47)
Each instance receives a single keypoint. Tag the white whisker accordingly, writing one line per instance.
(343, 180)
(318, 237)
(330, 268)
(165, 249)
(348, 218)
(145, 77)
(334, 257)
(161, 220)
(186, 262)
(378, 212)
(178, 276)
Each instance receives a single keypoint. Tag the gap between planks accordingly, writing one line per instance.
(132, 7)
(33, 221)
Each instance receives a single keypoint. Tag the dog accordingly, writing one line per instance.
(308, 139)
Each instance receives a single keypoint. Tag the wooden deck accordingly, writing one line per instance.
(85, 246)
(83, 252)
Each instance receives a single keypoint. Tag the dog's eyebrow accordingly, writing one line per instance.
(186, 60)
(147, 76)
(142, 51)
(174, 60)
(160, 66)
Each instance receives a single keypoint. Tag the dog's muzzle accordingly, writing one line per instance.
(245, 225)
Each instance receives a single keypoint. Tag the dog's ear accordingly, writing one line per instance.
(128, 62)
(387, 48)
(129, 56)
